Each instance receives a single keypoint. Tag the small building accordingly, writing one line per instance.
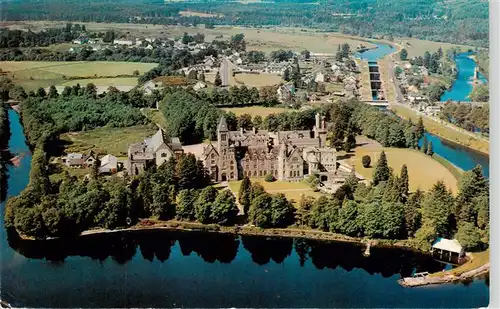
(109, 164)
(199, 85)
(123, 42)
(78, 160)
(448, 247)
(320, 77)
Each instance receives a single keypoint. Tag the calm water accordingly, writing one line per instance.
(167, 269)
(462, 86)
(463, 157)
(377, 53)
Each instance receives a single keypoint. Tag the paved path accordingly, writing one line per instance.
(224, 72)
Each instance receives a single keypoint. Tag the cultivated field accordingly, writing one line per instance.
(423, 171)
(257, 80)
(103, 141)
(256, 110)
(292, 190)
(34, 74)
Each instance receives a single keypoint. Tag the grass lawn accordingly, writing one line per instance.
(444, 131)
(478, 260)
(423, 171)
(107, 82)
(155, 116)
(334, 87)
(113, 141)
(34, 74)
(256, 110)
(257, 80)
(292, 190)
(78, 172)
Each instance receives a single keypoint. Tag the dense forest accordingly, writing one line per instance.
(462, 21)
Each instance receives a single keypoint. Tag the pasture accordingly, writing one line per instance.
(34, 74)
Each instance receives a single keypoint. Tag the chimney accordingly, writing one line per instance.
(254, 130)
(241, 130)
(323, 123)
(317, 120)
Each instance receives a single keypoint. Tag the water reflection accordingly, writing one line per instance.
(223, 248)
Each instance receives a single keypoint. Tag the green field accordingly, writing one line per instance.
(115, 82)
(103, 141)
(34, 74)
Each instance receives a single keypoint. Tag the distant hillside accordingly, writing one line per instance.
(454, 21)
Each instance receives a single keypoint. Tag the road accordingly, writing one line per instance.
(224, 72)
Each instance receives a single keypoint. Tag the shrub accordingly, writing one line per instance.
(269, 178)
(366, 160)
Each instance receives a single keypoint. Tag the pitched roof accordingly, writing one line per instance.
(447, 245)
(155, 141)
(222, 124)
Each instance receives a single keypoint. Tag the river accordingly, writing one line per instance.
(187, 269)
(462, 86)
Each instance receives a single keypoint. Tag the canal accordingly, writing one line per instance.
(187, 269)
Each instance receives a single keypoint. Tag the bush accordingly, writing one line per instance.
(366, 160)
(269, 178)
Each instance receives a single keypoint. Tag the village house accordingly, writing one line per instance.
(123, 42)
(287, 155)
(153, 151)
(278, 68)
(109, 164)
(285, 92)
(199, 85)
(78, 160)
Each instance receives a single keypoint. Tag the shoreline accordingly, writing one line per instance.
(363, 243)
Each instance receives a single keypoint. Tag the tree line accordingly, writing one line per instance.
(21, 39)
(467, 116)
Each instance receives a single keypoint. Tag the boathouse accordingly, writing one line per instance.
(449, 247)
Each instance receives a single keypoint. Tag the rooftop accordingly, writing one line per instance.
(447, 245)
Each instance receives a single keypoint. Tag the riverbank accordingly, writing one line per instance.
(447, 132)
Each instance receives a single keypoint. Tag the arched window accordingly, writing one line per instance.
(212, 156)
(254, 173)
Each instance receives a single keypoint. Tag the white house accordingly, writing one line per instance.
(109, 165)
(320, 77)
(123, 42)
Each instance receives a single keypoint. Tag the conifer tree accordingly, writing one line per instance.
(430, 150)
(420, 129)
(218, 80)
(245, 194)
(404, 181)
(425, 144)
(382, 171)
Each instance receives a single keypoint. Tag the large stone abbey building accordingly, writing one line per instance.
(287, 155)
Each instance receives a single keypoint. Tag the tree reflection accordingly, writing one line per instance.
(223, 248)
(263, 249)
